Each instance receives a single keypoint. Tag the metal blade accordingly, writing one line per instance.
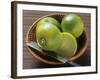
(35, 46)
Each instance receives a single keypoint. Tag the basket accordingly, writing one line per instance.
(82, 42)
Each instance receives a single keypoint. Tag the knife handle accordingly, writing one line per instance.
(70, 63)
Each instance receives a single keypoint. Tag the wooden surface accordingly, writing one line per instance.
(30, 62)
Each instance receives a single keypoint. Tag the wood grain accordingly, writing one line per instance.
(30, 62)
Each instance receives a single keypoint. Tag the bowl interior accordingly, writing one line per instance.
(82, 43)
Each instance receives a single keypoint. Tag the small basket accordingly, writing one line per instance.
(82, 42)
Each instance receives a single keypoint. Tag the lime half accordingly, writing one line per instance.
(68, 47)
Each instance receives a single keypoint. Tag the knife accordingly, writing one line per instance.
(64, 60)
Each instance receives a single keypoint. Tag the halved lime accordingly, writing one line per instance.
(68, 47)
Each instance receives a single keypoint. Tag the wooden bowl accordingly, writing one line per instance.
(82, 42)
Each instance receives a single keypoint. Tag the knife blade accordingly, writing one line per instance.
(64, 60)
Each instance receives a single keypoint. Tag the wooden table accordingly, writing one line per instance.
(30, 62)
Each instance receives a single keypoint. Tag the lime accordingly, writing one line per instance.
(48, 36)
(73, 24)
(50, 20)
(69, 45)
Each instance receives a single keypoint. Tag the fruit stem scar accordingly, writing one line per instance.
(43, 41)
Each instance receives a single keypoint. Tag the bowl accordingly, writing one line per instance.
(31, 36)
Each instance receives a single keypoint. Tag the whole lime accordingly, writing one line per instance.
(68, 47)
(48, 36)
(73, 24)
(50, 20)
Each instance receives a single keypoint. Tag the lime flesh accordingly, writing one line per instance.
(68, 47)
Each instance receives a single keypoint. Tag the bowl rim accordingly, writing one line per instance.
(80, 53)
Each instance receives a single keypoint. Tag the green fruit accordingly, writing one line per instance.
(50, 20)
(48, 36)
(68, 47)
(73, 24)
